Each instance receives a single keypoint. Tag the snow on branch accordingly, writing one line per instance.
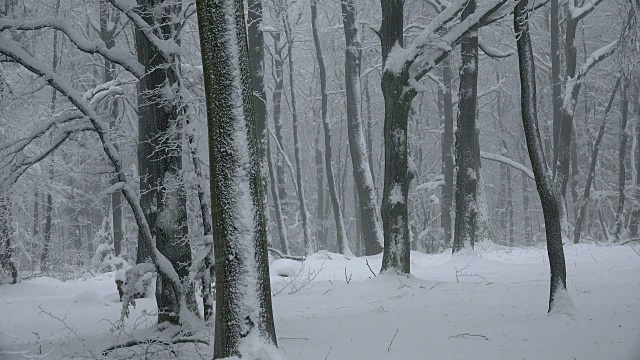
(114, 55)
(507, 161)
(491, 52)
(167, 48)
(572, 85)
(431, 185)
(578, 13)
(12, 49)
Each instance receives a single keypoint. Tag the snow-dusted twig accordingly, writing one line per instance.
(369, 266)
(391, 343)
(465, 335)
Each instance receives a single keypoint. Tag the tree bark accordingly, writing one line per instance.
(321, 233)
(467, 175)
(448, 154)
(108, 27)
(243, 292)
(622, 152)
(397, 100)
(635, 213)
(160, 160)
(368, 204)
(544, 181)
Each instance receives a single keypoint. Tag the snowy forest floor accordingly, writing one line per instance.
(491, 304)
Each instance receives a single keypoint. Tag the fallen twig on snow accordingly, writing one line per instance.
(374, 274)
(391, 343)
(465, 335)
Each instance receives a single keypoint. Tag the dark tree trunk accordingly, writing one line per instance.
(397, 100)
(341, 234)
(36, 215)
(468, 174)
(592, 166)
(544, 181)
(448, 155)
(556, 82)
(160, 160)
(622, 152)
(243, 295)
(107, 34)
(367, 211)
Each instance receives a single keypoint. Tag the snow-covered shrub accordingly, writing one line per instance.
(104, 259)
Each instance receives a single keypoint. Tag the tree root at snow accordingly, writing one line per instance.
(279, 254)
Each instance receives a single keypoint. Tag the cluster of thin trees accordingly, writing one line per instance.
(167, 70)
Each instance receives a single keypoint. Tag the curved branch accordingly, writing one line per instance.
(114, 55)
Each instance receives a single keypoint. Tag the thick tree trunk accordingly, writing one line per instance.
(622, 152)
(544, 181)
(467, 175)
(36, 215)
(397, 100)
(592, 166)
(108, 27)
(368, 204)
(160, 162)
(243, 292)
(448, 155)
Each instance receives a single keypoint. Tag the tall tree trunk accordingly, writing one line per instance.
(544, 181)
(44, 258)
(467, 176)
(448, 155)
(282, 227)
(308, 245)
(160, 160)
(368, 204)
(556, 83)
(369, 128)
(243, 292)
(622, 152)
(36, 215)
(635, 214)
(592, 166)
(108, 26)
(276, 97)
(321, 233)
(397, 101)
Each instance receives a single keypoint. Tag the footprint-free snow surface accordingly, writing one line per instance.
(491, 304)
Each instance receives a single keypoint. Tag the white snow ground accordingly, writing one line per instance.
(496, 308)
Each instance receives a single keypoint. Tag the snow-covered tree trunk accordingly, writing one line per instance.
(160, 159)
(109, 20)
(397, 101)
(622, 152)
(635, 213)
(243, 295)
(366, 195)
(276, 99)
(544, 181)
(309, 247)
(448, 156)
(467, 206)
(342, 241)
